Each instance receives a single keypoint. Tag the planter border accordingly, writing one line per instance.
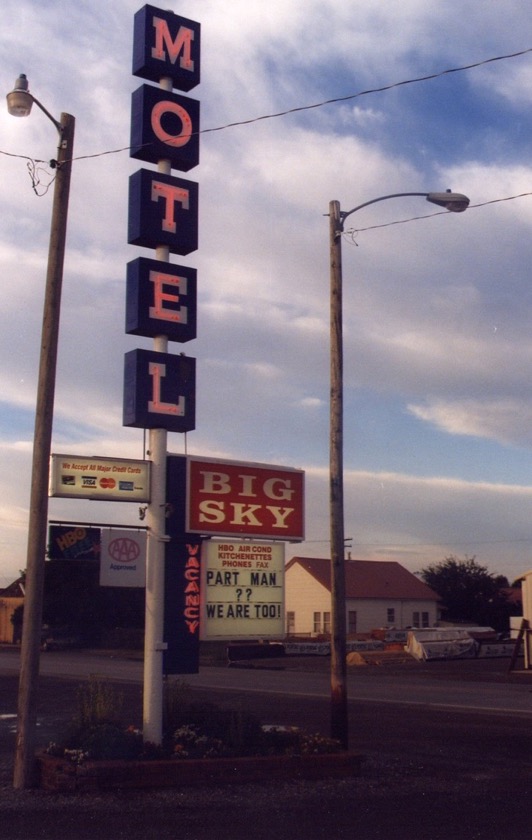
(59, 775)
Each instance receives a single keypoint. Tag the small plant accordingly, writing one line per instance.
(239, 731)
(107, 741)
(176, 696)
(98, 702)
(75, 756)
(315, 744)
(289, 740)
(190, 743)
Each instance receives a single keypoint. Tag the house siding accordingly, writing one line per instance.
(373, 613)
(7, 610)
(306, 596)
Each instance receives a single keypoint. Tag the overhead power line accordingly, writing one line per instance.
(335, 100)
(462, 543)
(382, 89)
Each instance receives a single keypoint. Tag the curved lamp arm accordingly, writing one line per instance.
(454, 202)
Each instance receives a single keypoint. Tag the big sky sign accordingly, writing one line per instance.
(229, 498)
(160, 388)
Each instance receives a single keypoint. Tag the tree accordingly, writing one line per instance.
(469, 593)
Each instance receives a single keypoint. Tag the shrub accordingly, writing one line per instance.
(107, 741)
(240, 732)
(176, 695)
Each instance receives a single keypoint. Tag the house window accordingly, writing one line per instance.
(390, 615)
(415, 620)
(352, 621)
(317, 623)
(290, 623)
(326, 622)
(425, 619)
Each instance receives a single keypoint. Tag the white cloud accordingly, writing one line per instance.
(312, 402)
(437, 313)
(508, 421)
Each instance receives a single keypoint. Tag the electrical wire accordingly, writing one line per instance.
(352, 232)
(428, 545)
(315, 105)
(350, 96)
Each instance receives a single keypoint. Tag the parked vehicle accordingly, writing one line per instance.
(60, 638)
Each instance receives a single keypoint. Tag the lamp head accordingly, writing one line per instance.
(19, 101)
(454, 202)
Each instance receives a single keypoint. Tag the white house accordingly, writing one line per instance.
(527, 596)
(378, 594)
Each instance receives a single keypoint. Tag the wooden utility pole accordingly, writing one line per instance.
(339, 721)
(42, 442)
(455, 203)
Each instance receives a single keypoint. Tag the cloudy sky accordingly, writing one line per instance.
(437, 311)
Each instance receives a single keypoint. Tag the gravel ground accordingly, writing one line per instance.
(427, 776)
(391, 798)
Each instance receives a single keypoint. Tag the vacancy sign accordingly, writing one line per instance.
(228, 498)
(123, 557)
(242, 590)
(108, 479)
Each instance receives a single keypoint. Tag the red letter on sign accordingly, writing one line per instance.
(159, 281)
(182, 44)
(158, 372)
(171, 194)
(167, 107)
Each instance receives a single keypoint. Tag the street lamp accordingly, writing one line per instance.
(456, 203)
(19, 103)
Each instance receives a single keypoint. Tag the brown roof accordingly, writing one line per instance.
(14, 590)
(370, 579)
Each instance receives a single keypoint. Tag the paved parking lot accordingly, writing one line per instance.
(429, 774)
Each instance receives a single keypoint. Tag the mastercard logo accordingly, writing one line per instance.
(107, 483)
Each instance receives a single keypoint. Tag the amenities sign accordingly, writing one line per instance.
(242, 590)
(107, 479)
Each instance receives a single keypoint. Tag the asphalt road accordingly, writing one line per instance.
(448, 752)
(469, 685)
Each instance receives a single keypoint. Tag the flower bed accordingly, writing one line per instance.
(60, 775)
(202, 744)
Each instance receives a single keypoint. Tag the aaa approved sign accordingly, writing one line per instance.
(123, 557)
(242, 590)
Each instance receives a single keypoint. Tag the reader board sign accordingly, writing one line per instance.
(123, 557)
(242, 590)
(228, 498)
(108, 479)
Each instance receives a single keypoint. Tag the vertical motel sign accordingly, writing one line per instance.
(160, 388)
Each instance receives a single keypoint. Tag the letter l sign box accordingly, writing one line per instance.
(159, 390)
